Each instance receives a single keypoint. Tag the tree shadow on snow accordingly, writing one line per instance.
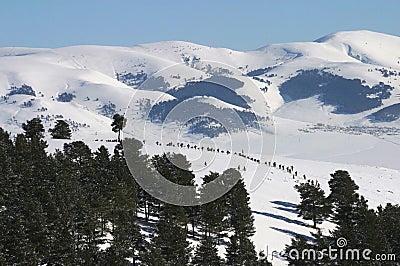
(291, 233)
(282, 218)
(284, 204)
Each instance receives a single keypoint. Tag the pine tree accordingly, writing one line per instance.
(213, 214)
(127, 241)
(171, 229)
(26, 235)
(321, 244)
(294, 252)
(344, 198)
(206, 253)
(61, 130)
(118, 124)
(389, 219)
(33, 128)
(139, 166)
(152, 256)
(14, 242)
(70, 199)
(240, 250)
(171, 235)
(313, 206)
(87, 231)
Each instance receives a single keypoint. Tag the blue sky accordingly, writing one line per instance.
(241, 25)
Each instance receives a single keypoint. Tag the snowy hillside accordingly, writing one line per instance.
(320, 106)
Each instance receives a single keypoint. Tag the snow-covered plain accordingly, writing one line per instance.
(369, 151)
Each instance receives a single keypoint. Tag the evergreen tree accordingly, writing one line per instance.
(127, 241)
(33, 128)
(171, 229)
(152, 256)
(213, 214)
(358, 224)
(61, 130)
(118, 124)
(240, 250)
(171, 235)
(343, 196)
(344, 199)
(206, 253)
(295, 255)
(140, 169)
(313, 206)
(79, 159)
(104, 173)
(389, 219)
(321, 244)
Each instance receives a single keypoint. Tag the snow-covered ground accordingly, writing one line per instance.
(273, 201)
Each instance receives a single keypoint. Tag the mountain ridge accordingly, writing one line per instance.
(106, 75)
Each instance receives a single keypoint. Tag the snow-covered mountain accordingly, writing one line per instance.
(347, 78)
(324, 105)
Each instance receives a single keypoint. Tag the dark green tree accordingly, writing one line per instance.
(313, 205)
(206, 253)
(118, 124)
(343, 196)
(213, 215)
(33, 128)
(152, 256)
(240, 249)
(61, 130)
(127, 241)
(295, 255)
(171, 229)
(389, 219)
(171, 235)
(80, 160)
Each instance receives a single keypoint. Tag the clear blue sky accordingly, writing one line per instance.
(241, 25)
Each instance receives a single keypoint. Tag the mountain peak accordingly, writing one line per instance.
(342, 36)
